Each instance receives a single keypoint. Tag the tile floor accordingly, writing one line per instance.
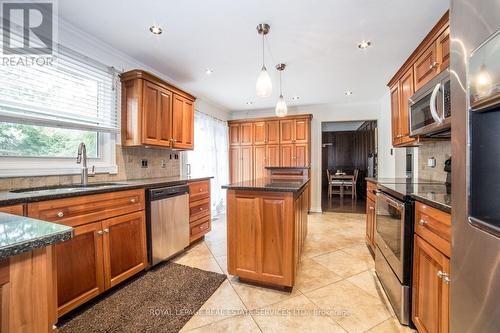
(336, 288)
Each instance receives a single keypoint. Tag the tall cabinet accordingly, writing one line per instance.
(259, 143)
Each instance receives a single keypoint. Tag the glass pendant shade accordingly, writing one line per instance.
(281, 109)
(264, 86)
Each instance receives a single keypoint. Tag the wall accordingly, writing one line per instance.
(128, 159)
(321, 113)
(441, 151)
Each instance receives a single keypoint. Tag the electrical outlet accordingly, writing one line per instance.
(431, 162)
(176, 156)
(163, 163)
(144, 163)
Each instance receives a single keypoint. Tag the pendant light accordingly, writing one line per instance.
(281, 109)
(264, 86)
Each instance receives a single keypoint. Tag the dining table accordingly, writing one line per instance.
(344, 177)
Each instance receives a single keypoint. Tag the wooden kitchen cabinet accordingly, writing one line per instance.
(429, 59)
(124, 245)
(273, 132)
(273, 155)
(431, 303)
(200, 214)
(80, 269)
(14, 210)
(246, 134)
(234, 134)
(287, 130)
(260, 133)
(155, 113)
(259, 161)
(431, 269)
(371, 206)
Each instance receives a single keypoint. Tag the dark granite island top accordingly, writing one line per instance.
(20, 234)
(269, 185)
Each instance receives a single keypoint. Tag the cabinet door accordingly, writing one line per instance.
(14, 210)
(182, 123)
(234, 134)
(79, 267)
(259, 161)
(443, 50)
(430, 310)
(124, 247)
(301, 131)
(426, 67)
(259, 133)
(150, 113)
(395, 122)
(164, 121)
(273, 132)
(286, 155)
(287, 128)
(301, 155)
(246, 134)
(405, 92)
(235, 164)
(246, 163)
(370, 222)
(273, 155)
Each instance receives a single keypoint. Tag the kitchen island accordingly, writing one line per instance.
(266, 228)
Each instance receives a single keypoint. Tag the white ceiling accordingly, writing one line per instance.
(317, 39)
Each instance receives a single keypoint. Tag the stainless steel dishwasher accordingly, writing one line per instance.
(168, 222)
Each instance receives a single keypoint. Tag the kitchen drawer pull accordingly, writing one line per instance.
(433, 65)
(201, 208)
(447, 279)
(60, 214)
(99, 232)
(106, 230)
(201, 190)
(132, 200)
(443, 275)
(422, 222)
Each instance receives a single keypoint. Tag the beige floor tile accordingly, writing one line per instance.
(204, 263)
(199, 249)
(255, 297)
(242, 323)
(315, 248)
(222, 261)
(391, 325)
(222, 304)
(353, 309)
(218, 248)
(311, 275)
(360, 251)
(296, 314)
(369, 282)
(343, 263)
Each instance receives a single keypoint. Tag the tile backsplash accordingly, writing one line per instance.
(128, 160)
(441, 151)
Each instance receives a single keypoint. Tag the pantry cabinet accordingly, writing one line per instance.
(278, 142)
(155, 113)
(429, 59)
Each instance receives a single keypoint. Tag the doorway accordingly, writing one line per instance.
(349, 155)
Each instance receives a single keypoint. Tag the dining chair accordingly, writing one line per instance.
(332, 183)
(353, 184)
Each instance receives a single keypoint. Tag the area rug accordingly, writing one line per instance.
(162, 299)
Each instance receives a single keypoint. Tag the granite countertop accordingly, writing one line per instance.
(20, 234)
(287, 168)
(432, 193)
(49, 193)
(269, 184)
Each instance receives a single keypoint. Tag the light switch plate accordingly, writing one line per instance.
(431, 162)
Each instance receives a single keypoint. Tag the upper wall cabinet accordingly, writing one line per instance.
(430, 58)
(155, 113)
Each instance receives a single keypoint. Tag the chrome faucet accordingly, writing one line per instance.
(82, 158)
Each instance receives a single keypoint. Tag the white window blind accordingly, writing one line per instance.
(74, 92)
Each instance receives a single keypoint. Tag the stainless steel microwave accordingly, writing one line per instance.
(430, 108)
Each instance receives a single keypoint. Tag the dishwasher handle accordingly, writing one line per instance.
(167, 192)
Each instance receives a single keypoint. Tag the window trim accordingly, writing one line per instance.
(11, 166)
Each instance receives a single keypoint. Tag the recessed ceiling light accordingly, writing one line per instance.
(348, 93)
(364, 44)
(209, 71)
(249, 103)
(295, 98)
(155, 30)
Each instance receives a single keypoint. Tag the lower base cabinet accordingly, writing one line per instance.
(101, 255)
(430, 309)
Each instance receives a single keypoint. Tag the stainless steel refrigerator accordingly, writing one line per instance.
(475, 102)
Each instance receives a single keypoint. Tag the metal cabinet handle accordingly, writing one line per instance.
(99, 232)
(422, 222)
(106, 230)
(371, 208)
(446, 279)
(434, 65)
(60, 214)
(443, 275)
(201, 208)
(132, 200)
(201, 190)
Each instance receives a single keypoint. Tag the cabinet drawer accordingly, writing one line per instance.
(15, 210)
(89, 208)
(199, 228)
(199, 190)
(434, 226)
(199, 208)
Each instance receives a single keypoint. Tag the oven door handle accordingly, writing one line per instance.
(389, 200)
(434, 113)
